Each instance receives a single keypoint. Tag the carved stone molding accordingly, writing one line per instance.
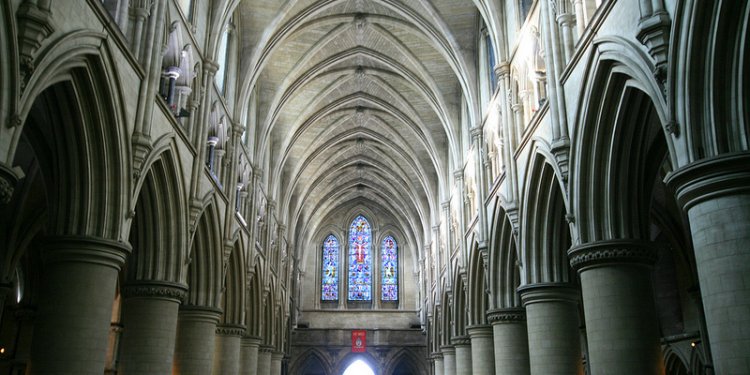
(34, 26)
(710, 178)
(164, 290)
(230, 330)
(506, 316)
(461, 340)
(9, 177)
(614, 252)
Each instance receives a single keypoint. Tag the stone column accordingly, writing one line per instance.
(276, 358)
(264, 360)
(449, 359)
(715, 193)
(75, 305)
(438, 363)
(463, 355)
(482, 350)
(196, 338)
(149, 321)
(249, 355)
(511, 341)
(227, 352)
(553, 328)
(618, 303)
(25, 320)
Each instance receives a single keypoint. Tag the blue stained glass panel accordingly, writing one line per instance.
(330, 291)
(360, 260)
(389, 269)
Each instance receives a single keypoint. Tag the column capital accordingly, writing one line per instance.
(155, 289)
(232, 330)
(479, 330)
(549, 292)
(506, 316)
(250, 341)
(277, 356)
(265, 349)
(461, 341)
(447, 349)
(611, 253)
(709, 178)
(85, 249)
(200, 313)
(458, 175)
(437, 355)
(476, 133)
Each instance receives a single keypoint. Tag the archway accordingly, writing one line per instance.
(359, 367)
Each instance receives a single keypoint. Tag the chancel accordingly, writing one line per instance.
(390, 187)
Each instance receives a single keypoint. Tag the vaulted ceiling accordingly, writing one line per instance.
(358, 103)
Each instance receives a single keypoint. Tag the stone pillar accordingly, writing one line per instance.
(149, 321)
(618, 303)
(227, 352)
(482, 350)
(438, 364)
(249, 355)
(196, 338)
(715, 193)
(449, 359)
(276, 358)
(75, 305)
(553, 328)
(264, 360)
(463, 355)
(511, 341)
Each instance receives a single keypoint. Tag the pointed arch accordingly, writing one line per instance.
(206, 268)
(545, 235)
(478, 298)
(360, 260)
(158, 232)
(617, 150)
(504, 269)
(233, 298)
(404, 362)
(254, 304)
(389, 263)
(331, 269)
(72, 92)
(311, 362)
(459, 313)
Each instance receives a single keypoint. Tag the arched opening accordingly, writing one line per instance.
(359, 367)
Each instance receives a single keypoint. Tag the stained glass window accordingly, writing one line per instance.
(360, 260)
(389, 269)
(330, 279)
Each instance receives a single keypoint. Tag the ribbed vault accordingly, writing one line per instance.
(357, 104)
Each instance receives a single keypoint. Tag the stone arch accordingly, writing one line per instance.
(709, 41)
(613, 152)
(254, 305)
(478, 297)
(504, 271)
(312, 361)
(233, 298)
(403, 362)
(545, 235)
(67, 99)
(206, 268)
(674, 363)
(459, 313)
(158, 231)
(350, 358)
(446, 318)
